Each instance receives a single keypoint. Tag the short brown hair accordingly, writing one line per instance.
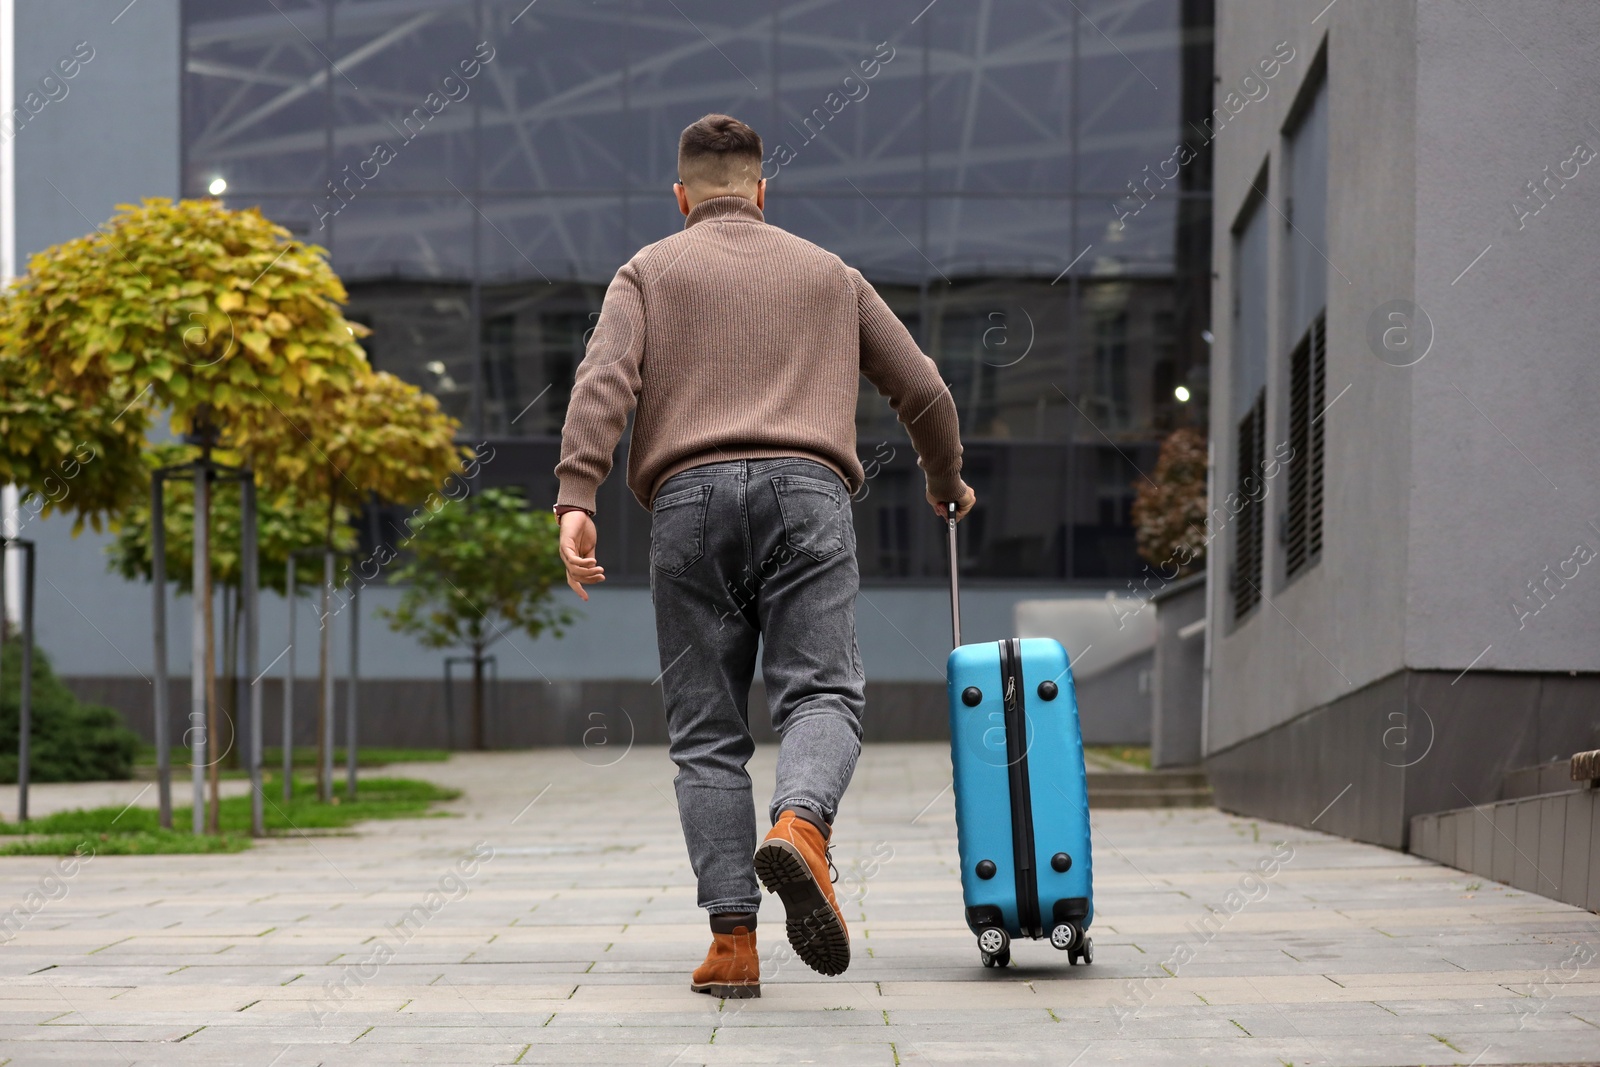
(719, 150)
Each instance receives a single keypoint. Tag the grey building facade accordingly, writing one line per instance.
(477, 169)
(1405, 506)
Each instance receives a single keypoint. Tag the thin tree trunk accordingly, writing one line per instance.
(323, 711)
(325, 661)
(477, 697)
(214, 807)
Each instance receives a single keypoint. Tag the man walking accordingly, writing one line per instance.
(742, 347)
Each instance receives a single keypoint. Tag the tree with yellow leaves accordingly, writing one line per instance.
(64, 455)
(220, 318)
(217, 315)
(235, 329)
(66, 452)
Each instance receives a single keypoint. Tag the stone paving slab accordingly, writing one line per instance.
(571, 940)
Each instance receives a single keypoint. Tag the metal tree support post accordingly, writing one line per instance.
(214, 755)
(198, 647)
(288, 687)
(352, 689)
(25, 684)
(325, 770)
(158, 582)
(249, 581)
(203, 703)
(25, 680)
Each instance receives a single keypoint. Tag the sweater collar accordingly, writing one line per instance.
(721, 207)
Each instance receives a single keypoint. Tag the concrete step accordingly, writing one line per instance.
(1527, 843)
(1149, 789)
(1101, 800)
(1187, 779)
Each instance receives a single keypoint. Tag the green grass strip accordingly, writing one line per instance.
(136, 831)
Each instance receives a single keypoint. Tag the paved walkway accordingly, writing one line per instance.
(47, 798)
(571, 941)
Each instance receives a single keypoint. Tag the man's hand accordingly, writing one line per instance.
(577, 551)
(963, 503)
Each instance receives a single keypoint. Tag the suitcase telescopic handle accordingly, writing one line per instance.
(955, 588)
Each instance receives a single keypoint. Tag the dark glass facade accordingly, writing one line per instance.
(478, 169)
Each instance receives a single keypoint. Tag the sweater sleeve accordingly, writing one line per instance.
(896, 367)
(604, 392)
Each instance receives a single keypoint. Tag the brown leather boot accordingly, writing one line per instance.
(732, 969)
(793, 863)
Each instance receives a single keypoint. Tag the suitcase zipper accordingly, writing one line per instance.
(1016, 721)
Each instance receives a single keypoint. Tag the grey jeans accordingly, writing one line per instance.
(747, 554)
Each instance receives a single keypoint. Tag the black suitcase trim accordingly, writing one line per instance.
(1016, 721)
(1070, 910)
(981, 916)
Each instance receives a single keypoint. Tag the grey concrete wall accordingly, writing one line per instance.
(1114, 704)
(1340, 625)
(1175, 712)
(598, 716)
(1453, 483)
(1504, 424)
(1410, 744)
(114, 136)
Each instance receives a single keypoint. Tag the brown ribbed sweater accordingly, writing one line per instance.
(739, 340)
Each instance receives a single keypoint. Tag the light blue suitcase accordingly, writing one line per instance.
(1022, 798)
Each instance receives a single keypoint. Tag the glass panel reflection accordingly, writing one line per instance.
(997, 170)
(255, 95)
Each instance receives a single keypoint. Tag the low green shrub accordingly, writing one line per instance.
(73, 741)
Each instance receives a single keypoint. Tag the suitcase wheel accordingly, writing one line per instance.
(1000, 959)
(994, 947)
(1084, 955)
(1064, 936)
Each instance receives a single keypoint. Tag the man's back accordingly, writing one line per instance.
(743, 341)
(750, 335)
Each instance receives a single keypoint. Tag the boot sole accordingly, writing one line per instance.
(815, 929)
(744, 991)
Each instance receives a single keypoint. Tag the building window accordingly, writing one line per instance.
(1111, 369)
(1249, 364)
(894, 541)
(500, 391)
(563, 336)
(1250, 446)
(1307, 387)
(1305, 236)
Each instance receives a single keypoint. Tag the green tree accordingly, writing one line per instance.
(1170, 516)
(234, 328)
(379, 438)
(283, 524)
(481, 567)
(72, 741)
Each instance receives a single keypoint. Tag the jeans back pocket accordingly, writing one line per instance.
(678, 529)
(814, 514)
